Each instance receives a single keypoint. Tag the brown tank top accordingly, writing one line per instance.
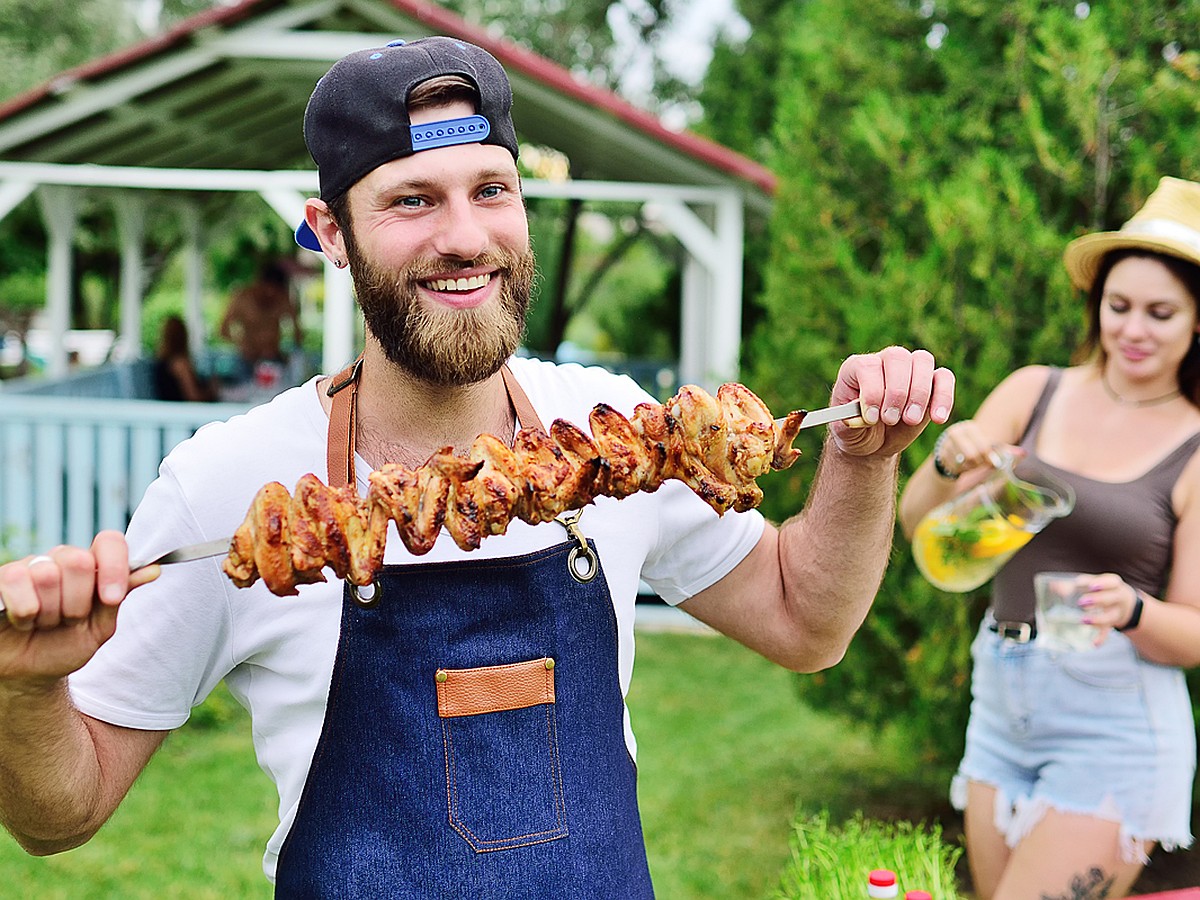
(1126, 527)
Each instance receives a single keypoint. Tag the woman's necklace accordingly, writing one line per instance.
(1136, 404)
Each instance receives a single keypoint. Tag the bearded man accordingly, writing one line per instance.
(466, 735)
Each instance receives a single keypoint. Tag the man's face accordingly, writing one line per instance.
(441, 259)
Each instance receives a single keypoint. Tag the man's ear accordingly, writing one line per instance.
(325, 227)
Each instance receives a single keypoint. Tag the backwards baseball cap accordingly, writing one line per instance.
(357, 116)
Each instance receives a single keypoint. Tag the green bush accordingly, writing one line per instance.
(925, 197)
(835, 862)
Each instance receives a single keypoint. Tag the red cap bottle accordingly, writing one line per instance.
(882, 883)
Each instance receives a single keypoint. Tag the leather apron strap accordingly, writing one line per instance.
(339, 449)
(343, 419)
(527, 416)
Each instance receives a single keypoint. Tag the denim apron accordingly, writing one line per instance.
(473, 743)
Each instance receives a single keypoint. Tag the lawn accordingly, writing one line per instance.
(192, 828)
(727, 756)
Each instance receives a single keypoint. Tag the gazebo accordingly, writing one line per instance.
(214, 106)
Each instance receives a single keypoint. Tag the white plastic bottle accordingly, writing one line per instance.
(882, 883)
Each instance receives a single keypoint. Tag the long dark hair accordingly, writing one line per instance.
(1188, 274)
(174, 339)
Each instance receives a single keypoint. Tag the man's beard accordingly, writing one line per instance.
(440, 345)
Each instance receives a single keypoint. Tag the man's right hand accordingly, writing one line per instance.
(61, 606)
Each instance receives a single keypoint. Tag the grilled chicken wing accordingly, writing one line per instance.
(717, 445)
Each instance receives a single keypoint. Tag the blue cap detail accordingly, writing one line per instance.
(306, 238)
(467, 130)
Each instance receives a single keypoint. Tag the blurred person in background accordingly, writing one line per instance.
(1078, 763)
(175, 375)
(254, 320)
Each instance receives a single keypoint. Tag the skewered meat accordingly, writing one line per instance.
(717, 445)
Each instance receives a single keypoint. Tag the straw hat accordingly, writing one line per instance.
(1169, 223)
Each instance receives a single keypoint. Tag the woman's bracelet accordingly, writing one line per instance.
(937, 459)
(1136, 615)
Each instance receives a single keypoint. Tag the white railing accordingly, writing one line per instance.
(72, 466)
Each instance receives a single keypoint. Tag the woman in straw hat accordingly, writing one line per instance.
(1079, 763)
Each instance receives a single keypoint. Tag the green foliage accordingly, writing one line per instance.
(745, 69)
(623, 293)
(925, 198)
(243, 234)
(578, 36)
(831, 861)
(40, 38)
(21, 294)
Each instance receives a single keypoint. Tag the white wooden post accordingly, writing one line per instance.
(340, 317)
(61, 212)
(131, 227)
(726, 333)
(193, 278)
(711, 314)
(694, 319)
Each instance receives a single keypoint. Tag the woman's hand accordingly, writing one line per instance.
(1110, 601)
(963, 447)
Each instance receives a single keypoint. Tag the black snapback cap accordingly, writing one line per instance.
(357, 116)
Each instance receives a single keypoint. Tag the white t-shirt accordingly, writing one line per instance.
(178, 637)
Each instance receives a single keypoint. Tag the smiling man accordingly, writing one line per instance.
(463, 732)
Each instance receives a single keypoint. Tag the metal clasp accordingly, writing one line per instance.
(570, 521)
(1017, 632)
(352, 378)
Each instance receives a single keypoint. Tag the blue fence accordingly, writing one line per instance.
(71, 466)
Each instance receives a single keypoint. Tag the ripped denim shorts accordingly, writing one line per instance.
(1100, 732)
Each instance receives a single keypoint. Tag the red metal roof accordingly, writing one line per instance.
(515, 58)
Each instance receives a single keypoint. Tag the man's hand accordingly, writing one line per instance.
(60, 607)
(901, 392)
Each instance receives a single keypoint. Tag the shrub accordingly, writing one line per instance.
(927, 189)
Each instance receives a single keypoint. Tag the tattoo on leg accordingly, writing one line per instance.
(1092, 885)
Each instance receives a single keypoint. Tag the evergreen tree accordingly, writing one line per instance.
(934, 160)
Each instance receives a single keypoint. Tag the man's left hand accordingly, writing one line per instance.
(901, 392)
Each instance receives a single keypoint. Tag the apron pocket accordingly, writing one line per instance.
(503, 783)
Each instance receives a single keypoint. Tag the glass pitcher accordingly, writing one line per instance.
(961, 544)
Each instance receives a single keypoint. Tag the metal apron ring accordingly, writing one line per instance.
(367, 600)
(570, 521)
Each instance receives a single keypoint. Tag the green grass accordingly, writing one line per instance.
(835, 861)
(727, 756)
(193, 827)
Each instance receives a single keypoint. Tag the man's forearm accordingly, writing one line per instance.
(834, 553)
(50, 785)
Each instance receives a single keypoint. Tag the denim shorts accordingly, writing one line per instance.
(1099, 732)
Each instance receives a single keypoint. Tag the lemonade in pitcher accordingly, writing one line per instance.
(959, 555)
(960, 545)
